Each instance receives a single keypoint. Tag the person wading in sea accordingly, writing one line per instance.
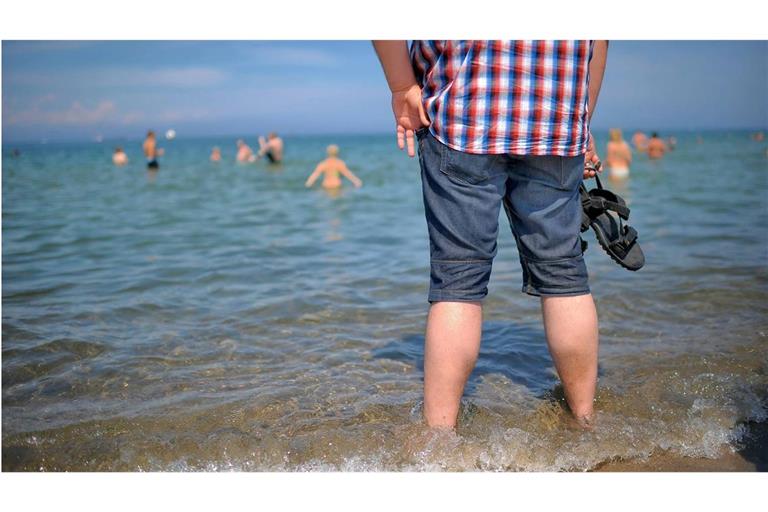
(656, 147)
(501, 122)
(272, 148)
(151, 151)
(618, 155)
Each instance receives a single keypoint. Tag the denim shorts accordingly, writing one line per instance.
(463, 194)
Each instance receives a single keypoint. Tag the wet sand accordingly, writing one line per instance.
(751, 456)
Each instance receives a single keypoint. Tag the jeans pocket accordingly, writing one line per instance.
(571, 172)
(550, 170)
(430, 154)
(466, 167)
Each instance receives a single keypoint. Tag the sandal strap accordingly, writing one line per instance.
(601, 203)
(597, 200)
(624, 243)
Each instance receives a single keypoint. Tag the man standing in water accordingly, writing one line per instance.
(640, 140)
(151, 150)
(501, 122)
(656, 147)
(272, 147)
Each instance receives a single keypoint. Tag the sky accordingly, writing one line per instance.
(78, 90)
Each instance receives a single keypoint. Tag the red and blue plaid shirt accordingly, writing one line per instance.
(506, 97)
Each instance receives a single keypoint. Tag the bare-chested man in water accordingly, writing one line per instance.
(656, 147)
(331, 167)
(151, 151)
(272, 147)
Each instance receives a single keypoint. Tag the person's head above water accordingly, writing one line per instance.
(240, 142)
(118, 149)
(150, 134)
(333, 150)
(615, 135)
(655, 135)
(272, 135)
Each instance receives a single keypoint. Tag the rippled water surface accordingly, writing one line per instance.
(222, 316)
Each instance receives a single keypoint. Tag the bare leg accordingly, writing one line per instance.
(450, 352)
(571, 327)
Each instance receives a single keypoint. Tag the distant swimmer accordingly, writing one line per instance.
(640, 141)
(618, 155)
(119, 157)
(672, 142)
(216, 154)
(656, 147)
(244, 152)
(331, 167)
(758, 137)
(271, 147)
(151, 151)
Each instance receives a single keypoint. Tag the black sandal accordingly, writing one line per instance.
(616, 238)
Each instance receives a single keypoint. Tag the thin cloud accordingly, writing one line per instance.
(170, 77)
(133, 118)
(42, 113)
(76, 114)
(188, 114)
(187, 77)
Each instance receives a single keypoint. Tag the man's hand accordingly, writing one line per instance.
(591, 160)
(409, 115)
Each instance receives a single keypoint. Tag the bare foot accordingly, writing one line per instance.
(584, 422)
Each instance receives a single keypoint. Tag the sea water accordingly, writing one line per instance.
(217, 316)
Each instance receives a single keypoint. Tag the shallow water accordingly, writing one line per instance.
(221, 316)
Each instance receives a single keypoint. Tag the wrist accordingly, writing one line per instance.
(396, 88)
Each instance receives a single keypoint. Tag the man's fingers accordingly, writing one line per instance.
(423, 116)
(591, 169)
(409, 142)
(400, 136)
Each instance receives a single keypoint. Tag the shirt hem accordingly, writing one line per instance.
(512, 150)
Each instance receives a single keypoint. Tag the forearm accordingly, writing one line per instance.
(350, 175)
(312, 177)
(396, 63)
(596, 72)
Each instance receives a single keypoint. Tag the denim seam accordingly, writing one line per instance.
(461, 295)
(555, 286)
(562, 174)
(445, 291)
(461, 261)
(562, 260)
(443, 158)
(532, 290)
(445, 165)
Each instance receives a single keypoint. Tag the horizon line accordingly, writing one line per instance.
(92, 139)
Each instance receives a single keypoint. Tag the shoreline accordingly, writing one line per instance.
(751, 456)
